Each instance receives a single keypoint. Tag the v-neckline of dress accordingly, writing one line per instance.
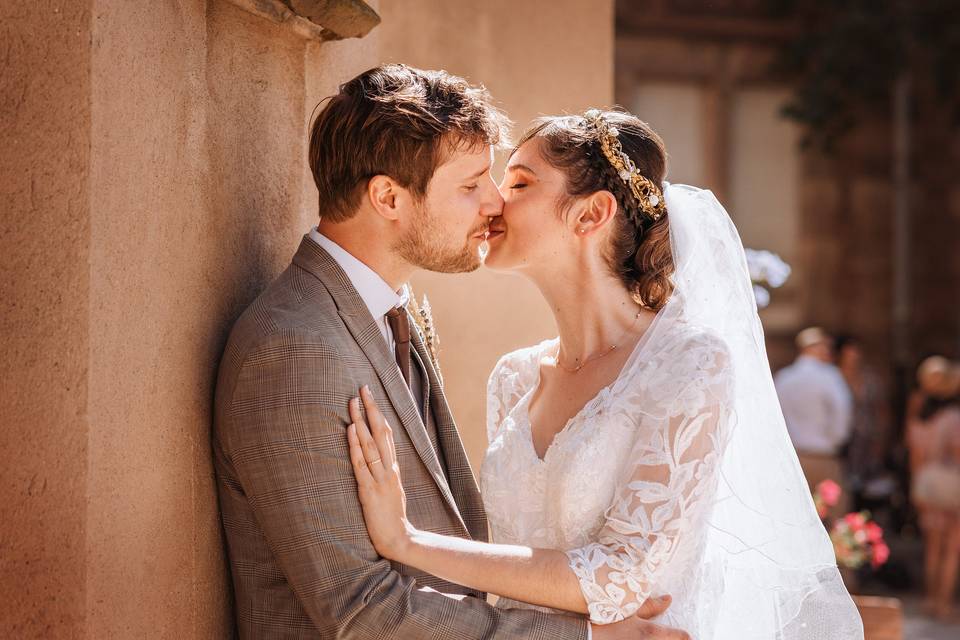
(524, 403)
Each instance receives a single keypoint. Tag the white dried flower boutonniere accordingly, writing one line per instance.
(423, 317)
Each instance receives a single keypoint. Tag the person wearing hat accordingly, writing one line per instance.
(818, 409)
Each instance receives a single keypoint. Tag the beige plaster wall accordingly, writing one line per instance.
(44, 305)
(154, 180)
(196, 112)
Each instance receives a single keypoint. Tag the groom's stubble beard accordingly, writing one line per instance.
(425, 246)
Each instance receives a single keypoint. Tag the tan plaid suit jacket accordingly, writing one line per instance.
(302, 563)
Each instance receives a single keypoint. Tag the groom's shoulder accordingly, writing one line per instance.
(294, 307)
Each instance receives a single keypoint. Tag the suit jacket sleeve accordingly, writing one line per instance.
(285, 435)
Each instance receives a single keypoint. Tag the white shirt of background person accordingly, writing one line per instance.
(816, 401)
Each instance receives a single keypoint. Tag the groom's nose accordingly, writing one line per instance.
(491, 205)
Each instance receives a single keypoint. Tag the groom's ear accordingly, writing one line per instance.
(385, 194)
(596, 210)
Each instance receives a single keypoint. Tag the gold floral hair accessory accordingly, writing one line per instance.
(647, 194)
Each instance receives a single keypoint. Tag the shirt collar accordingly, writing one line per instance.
(373, 290)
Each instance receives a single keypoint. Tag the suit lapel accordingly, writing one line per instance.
(356, 317)
(424, 398)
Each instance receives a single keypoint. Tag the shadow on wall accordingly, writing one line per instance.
(255, 149)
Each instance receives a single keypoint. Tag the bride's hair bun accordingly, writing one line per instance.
(639, 251)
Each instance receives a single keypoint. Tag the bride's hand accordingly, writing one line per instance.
(374, 461)
(639, 625)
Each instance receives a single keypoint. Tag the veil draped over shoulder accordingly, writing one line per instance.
(780, 579)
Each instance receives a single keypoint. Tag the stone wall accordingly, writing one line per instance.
(154, 179)
(45, 301)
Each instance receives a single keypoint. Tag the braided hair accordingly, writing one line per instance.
(639, 251)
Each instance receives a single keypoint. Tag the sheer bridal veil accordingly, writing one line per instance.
(776, 574)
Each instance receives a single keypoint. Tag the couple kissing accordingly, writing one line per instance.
(639, 481)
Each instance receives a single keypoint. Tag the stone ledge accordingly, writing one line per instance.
(316, 19)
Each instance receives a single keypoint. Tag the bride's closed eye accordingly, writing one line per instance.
(519, 185)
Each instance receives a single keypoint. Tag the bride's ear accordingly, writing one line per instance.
(595, 212)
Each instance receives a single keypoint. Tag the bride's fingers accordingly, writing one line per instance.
(357, 459)
(356, 415)
(382, 433)
(652, 630)
(653, 607)
(370, 450)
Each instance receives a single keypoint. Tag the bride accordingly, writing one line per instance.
(642, 453)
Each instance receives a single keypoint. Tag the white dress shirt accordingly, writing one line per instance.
(817, 405)
(373, 290)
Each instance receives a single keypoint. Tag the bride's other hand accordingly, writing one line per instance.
(374, 462)
(639, 626)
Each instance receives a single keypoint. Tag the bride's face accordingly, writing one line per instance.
(531, 233)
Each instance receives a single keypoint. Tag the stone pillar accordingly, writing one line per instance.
(152, 174)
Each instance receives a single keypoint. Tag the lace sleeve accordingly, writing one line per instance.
(504, 390)
(664, 497)
(496, 407)
(514, 375)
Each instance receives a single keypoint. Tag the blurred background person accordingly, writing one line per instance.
(934, 443)
(817, 406)
(866, 451)
(932, 392)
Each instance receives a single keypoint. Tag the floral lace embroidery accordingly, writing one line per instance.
(626, 486)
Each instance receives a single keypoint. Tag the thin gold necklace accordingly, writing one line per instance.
(605, 353)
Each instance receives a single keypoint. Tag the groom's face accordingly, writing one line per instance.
(444, 231)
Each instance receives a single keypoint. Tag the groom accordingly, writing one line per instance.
(401, 158)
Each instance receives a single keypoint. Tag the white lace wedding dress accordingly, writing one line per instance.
(626, 486)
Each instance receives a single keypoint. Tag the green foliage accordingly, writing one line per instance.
(848, 55)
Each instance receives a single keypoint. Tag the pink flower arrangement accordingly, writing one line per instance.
(826, 495)
(856, 538)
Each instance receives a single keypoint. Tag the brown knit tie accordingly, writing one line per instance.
(400, 325)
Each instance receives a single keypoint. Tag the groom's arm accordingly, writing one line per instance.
(285, 435)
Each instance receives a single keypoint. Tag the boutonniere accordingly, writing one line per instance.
(423, 318)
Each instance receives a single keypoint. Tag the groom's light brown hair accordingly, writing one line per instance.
(400, 122)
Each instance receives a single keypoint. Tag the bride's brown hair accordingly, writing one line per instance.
(639, 254)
